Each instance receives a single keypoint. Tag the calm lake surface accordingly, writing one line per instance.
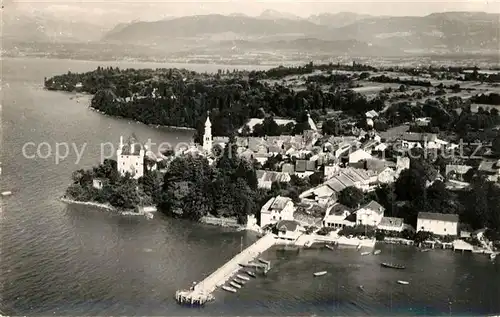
(68, 260)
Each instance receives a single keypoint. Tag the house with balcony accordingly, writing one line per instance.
(336, 217)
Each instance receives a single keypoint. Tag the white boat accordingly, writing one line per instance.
(252, 274)
(376, 252)
(229, 289)
(7, 193)
(493, 256)
(403, 282)
(242, 277)
(329, 247)
(320, 273)
(239, 281)
(365, 253)
(235, 285)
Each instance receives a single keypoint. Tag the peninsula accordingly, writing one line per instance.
(407, 153)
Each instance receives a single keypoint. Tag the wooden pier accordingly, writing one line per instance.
(201, 293)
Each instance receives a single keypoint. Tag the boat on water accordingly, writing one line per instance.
(365, 253)
(252, 274)
(493, 256)
(403, 282)
(329, 247)
(242, 277)
(263, 261)
(229, 289)
(320, 273)
(235, 285)
(7, 193)
(425, 250)
(376, 252)
(361, 287)
(237, 280)
(393, 266)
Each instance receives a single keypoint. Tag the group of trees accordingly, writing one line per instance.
(175, 97)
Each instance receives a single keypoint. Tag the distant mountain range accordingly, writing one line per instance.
(343, 32)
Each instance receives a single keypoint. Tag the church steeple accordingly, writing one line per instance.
(207, 136)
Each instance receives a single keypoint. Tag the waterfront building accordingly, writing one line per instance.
(336, 217)
(276, 209)
(130, 158)
(289, 229)
(437, 223)
(370, 214)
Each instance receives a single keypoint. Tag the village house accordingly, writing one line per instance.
(371, 114)
(266, 178)
(336, 217)
(370, 215)
(418, 140)
(276, 209)
(347, 177)
(391, 224)
(304, 168)
(288, 168)
(321, 195)
(289, 229)
(98, 183)
(436, 223)
(358, 155)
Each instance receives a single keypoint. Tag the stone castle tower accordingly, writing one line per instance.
(130, 158)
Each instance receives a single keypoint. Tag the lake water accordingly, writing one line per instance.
(69, 260)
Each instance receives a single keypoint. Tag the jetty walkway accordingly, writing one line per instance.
(202, 292)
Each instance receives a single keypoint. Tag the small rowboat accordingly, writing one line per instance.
(393, 266)
(493, 256)
(242, 277)
(376, 252)
(235, 285)
(403, 282)
(7, 193)
(229, 289)
(320, 273)
(329, 247)
(241, 282)
(252, 274)
(365, 253)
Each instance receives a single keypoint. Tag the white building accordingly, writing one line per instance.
(335, 217)
(391, 224)
(289, 229)
(440, 224)
(130, 158)
(207, 136)
(370, 215)
(359, 155)
(97, 183)
(276, 209)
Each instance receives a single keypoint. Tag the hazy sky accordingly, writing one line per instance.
(113, 11)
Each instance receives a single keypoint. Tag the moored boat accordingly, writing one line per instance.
(252, 274)
(229, 289)
(376, 252)
(320, 273)
(7, 193)
(329, 247)
(403, 282)
(493, 256)
(425, 250)
(239, 281)
(235, 285)
(365, 253)
(242, 277)
(393, 266)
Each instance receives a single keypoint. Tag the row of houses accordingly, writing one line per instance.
(338, 216)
